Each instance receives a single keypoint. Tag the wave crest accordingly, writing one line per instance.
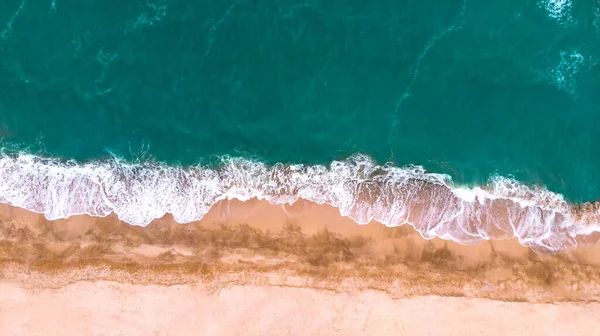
(359, 188)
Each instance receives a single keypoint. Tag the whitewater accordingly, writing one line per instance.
(361, 189)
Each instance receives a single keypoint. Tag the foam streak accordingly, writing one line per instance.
(8, 29)
(417, 67)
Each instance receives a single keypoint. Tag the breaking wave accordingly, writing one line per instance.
(358, 187)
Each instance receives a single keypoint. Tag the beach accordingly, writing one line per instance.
(112, 308)
(325, 167)
(247, 267)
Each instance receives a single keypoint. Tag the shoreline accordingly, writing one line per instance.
(305, 242)
(359, 188)
(245, 261)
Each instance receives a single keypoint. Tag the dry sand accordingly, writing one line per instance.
(109, 308)
(253, 268)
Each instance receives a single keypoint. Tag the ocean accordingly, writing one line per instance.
(468, 119)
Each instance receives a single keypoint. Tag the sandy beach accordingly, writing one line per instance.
(112, 308)
(322, 167)
(250, 268)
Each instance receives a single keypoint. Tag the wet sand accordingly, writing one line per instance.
(248, 267)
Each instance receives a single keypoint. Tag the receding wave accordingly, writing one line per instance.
(359, 188)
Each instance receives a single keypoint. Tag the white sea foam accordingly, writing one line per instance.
(216, 24)
(360, 189)
(558, 10)
(8, 29)
(158, 12)
(566, 72)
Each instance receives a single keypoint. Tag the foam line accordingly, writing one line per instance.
(358, 187)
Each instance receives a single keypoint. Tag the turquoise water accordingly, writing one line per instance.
(500, 94)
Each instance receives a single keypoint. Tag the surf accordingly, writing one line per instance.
(358, 187)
